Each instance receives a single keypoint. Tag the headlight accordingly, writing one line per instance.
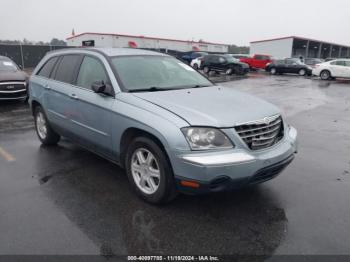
(203, 138)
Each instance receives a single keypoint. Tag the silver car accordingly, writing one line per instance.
(170, 127)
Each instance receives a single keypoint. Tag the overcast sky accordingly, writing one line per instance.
(222, 21)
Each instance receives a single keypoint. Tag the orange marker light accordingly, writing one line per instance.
(189, 184)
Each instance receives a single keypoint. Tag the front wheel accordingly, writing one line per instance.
(229, 71)
(195, 66)
(46, 134)
(325, 75)
(149, 171)
(206, 70)
(302, 72)
(273, 71)
(239, 71)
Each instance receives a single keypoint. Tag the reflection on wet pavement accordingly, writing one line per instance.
(95, 195)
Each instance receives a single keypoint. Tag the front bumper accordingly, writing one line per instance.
(13, 95)
(218, 171)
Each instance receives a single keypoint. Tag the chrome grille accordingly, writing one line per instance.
(262, 133)
(10, 87)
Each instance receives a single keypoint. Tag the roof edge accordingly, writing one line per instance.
(298, 37)
(145, 37)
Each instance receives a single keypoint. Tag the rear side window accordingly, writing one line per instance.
(46, 70)
(67, 68)
(91, 70)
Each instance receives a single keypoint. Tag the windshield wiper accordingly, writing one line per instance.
(150, 89)
(198, 86)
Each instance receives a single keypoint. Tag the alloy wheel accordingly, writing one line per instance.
(145, 171)
(41, 125)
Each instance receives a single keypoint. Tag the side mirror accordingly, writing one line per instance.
(99, 87)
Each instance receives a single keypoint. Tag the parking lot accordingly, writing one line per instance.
(66, 200)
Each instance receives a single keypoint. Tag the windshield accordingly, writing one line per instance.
(7, 65)
(156, 73)
(230, 58)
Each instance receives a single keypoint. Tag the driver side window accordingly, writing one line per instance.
(221, 60)
(91, 70)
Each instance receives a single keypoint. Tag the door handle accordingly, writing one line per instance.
(47, 87)
(74, 96)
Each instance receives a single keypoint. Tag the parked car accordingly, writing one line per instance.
(224, 63)
(165, 123)
(197, 62)
(288, 65)
(189, 56)
(13, 81)
(313, 61)
(333, 69)
(257, 61)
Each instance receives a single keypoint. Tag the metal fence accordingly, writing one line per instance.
(27, 56)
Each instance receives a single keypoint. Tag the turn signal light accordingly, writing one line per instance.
(189, 184)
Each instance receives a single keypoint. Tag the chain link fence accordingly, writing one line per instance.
(27, 56)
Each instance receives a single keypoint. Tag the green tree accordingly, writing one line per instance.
(234, 49)
(57, 42)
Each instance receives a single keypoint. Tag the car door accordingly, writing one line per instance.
(58, 100)
(261, 61)
(281, 66)
(347, 69)
(291, 66)
(222, 63)
(215, 63)
(41, 85)
(338, 68)
(92, 111)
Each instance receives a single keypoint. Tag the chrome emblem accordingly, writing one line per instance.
(10, 87)
(267, 120)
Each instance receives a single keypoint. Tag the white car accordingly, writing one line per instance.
(333, 69)
(196, 63)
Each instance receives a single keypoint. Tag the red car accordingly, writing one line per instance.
(257, 61)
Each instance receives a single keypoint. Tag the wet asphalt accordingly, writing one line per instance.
(66, 200)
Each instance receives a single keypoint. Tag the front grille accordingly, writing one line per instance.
(262, 133)
(12, 90)
(12, 86)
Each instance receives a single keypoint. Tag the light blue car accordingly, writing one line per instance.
(170, 127)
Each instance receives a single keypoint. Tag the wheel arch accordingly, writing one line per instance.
(33, 105)
(131, 133)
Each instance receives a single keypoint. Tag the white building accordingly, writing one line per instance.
(118, 40)
(294, 46)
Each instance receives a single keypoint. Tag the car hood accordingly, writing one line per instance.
(12, 76)
(244, 65)
(211, 106)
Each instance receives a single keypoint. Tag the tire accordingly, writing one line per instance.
(273, 71)
(325, 75)
(206, 70)
(302, 72)
(229, 71)
(195, 66)
(46, 134)
(239, 71)
(153, 189)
